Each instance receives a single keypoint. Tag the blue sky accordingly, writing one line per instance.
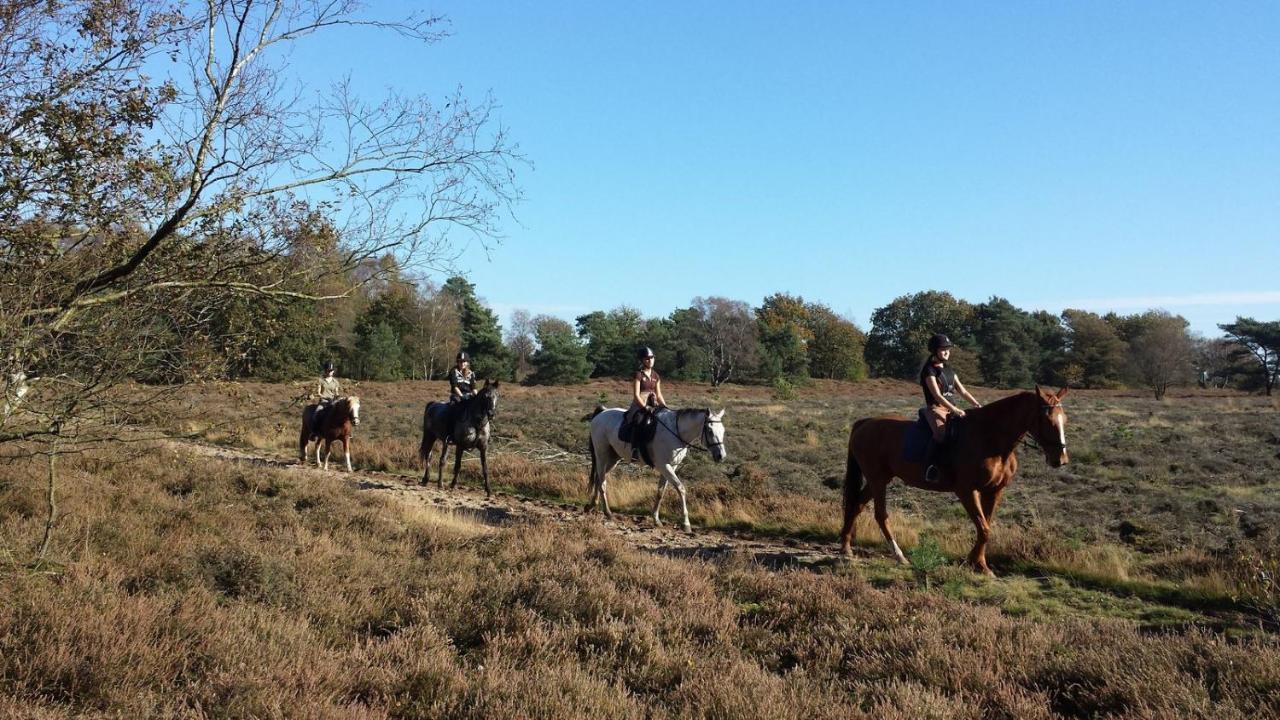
(1096, 155)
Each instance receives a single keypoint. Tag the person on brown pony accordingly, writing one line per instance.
(462, 382)
(646, 394)
(328, 390)
(941, 385)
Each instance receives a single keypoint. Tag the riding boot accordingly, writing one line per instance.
(936, 472)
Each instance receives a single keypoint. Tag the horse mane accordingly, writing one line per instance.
(682, 413)
(996, 407)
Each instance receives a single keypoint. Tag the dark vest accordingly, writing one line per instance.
(945, 378)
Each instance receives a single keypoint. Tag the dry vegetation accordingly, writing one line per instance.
(189, 587)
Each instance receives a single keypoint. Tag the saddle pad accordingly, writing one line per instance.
(916, 440)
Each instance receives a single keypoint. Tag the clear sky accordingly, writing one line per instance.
(1098, 155)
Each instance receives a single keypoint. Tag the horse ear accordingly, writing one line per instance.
(1063, 392)
(495, 383)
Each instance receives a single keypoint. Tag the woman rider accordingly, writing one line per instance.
(328, 390)
(646, 391)
(940, 385)
(462, 382)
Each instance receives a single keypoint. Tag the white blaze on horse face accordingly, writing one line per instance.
(1060, 419)
(355, 410)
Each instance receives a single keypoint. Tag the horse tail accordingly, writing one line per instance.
(853, 479)
(422, 447)
(592, 415)
(591, 447)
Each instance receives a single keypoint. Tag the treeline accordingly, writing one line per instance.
(396, 327)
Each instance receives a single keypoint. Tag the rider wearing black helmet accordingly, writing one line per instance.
(646, 393)
(462, 382)
(940, 385)
(328, 390)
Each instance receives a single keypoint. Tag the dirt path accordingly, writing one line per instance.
(504, 508)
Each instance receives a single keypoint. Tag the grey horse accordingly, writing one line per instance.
(677, 431)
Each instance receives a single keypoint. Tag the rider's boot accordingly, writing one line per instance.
(936, 472)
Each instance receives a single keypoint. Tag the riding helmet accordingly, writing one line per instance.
(463, 356)
(939, 342)
(328, 366)
(644, 352)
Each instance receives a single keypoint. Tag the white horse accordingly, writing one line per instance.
(676, 432)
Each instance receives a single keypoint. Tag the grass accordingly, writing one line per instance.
(193, 588)
(1175, 493)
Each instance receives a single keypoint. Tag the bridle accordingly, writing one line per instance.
(1058, 445)
(708, 438)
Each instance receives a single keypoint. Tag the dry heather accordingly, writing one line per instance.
(1175, 502)
(191, 588)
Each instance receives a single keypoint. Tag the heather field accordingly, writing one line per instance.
(1139, 581)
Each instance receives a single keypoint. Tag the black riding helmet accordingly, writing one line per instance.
(328, 366)
(644, 352)
(463, 356)
(939, 342)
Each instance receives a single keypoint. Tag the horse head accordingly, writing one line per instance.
(353, 406)
(1050, 427)
(713, 435)
(488, 399)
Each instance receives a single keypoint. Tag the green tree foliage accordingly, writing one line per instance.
(612, 339)
(561, 358)
(783, 332)
(1261, 340)
(836, 350)
(685, 354)
(1096, 357)
(380, 355)
(1051, 347)
(900, 331)
(1008, 344)
(481, 334)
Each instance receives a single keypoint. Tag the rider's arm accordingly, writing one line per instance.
(635, 391)
(932, 383)
(965, 393)
(662, 402)
(454, 392)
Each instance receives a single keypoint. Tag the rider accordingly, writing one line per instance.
(646, 393)
(462, 382)
(940, 385)
(328, 390)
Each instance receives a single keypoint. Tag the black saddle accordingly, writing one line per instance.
(639, 426)
(917, 445)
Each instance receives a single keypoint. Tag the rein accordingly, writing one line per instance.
(706, 423)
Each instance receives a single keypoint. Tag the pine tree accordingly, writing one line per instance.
(481, 333)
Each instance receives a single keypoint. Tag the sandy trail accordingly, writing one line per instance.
(506, 508)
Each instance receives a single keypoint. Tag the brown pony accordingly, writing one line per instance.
(982, 463)
(336, 424)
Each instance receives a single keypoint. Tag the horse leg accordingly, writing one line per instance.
(444, 453)
(684, 503)
(991, 501)
(662, 488)
(978, 555)
(302, 447)
(346, 448)
(849, 532)
(457, 465)
(426, 460)
(882, 518)
(484, 467)
(319, 445)
(328, 450)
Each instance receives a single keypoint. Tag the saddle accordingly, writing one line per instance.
(918, 444)
(639, 428)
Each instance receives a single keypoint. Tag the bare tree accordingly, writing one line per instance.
(730, 328)
(520, 342)
(151, 152)
(1161, 354)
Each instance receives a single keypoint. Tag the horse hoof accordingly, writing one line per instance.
(688, 529)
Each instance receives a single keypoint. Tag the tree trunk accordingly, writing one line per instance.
(51, 496)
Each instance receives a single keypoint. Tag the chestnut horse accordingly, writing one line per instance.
(983, 462)
(335, 424)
